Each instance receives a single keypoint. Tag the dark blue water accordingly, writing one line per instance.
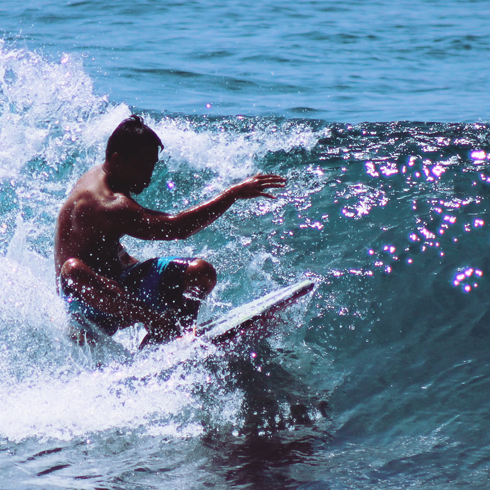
(377, 114)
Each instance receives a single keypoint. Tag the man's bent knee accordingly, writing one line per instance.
(201, 274)
(75, 273)
(72, 268)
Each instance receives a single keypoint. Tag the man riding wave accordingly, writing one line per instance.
(100, 282)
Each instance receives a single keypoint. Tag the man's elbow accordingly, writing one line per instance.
(184, 234)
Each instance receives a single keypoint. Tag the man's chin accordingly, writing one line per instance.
(137, 190)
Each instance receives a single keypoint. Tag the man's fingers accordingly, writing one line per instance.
(269, 196)
(271, 181)
(256, 185)
(270, 176)
(273, 184)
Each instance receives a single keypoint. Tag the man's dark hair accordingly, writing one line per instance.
(130, 137)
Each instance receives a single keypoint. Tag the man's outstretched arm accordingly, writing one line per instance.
(153, 225)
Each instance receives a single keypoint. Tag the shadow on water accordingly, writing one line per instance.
(283, 424)
(261, 462)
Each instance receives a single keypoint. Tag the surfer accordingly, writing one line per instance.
(100, 282)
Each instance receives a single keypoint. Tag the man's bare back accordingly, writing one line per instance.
(83, 228)
(89, 258)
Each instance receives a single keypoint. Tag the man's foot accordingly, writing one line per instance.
(156, 338)
(81, 337)
(162, 329)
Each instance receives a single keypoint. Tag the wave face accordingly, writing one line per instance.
(377, 380)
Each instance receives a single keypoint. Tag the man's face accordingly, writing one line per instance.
(138, 169)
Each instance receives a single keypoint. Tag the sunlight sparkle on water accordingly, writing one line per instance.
(438, 170)
(466, 278)
(478, 156)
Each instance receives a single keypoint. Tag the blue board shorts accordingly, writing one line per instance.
(157, 282)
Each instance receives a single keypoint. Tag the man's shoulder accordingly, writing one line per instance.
(119, 202)
(93, 190)
(108, 213)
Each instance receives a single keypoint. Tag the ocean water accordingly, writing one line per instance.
(377, 113)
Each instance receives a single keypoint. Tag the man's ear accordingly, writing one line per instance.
(116, 160)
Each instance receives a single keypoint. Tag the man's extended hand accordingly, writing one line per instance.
(146, 224)
(255, 186)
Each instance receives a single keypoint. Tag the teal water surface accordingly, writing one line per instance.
(355, 61)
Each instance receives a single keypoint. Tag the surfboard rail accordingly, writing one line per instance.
(241, 319)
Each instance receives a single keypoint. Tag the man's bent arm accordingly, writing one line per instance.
(153, 225)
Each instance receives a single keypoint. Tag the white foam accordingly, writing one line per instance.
(160, 393)
(51, 389)
(45, 106)
(229, 153)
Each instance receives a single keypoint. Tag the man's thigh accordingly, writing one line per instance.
(158, 282)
